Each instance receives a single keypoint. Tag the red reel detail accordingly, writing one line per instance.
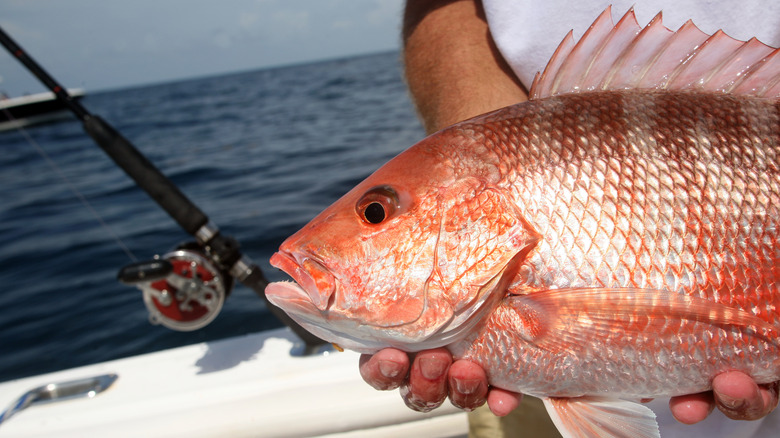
(176, 309)
(190, 296)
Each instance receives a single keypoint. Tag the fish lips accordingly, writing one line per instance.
(315, 287)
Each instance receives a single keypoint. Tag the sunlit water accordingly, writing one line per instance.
(260, 153)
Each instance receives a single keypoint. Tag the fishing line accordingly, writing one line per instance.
(221, 249)
(72, 187)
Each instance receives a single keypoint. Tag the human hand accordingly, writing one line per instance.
(431, 377)
(734, 393)
(434, 376)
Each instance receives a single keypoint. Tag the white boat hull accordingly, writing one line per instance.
(238, 387)
(17, 112)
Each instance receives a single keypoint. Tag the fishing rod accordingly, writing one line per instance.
(185, 288)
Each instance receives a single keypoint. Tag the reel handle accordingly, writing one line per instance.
(182, 290)
(146, 271)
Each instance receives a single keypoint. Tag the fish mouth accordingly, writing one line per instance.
(315, 283)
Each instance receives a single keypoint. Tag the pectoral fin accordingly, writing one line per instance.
(586, 417)
(570, 318)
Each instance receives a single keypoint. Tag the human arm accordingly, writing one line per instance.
(452, 67)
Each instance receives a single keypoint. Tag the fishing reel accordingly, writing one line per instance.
(183, 290)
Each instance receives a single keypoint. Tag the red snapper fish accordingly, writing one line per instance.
(614, 238)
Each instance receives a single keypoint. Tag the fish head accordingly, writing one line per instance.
(409, 258)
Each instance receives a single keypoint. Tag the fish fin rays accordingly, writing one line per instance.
(628, 56)
(586, 417)
(570, 319)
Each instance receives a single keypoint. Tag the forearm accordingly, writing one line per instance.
(452, 67)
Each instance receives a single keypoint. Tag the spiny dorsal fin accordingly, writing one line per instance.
(627, 56)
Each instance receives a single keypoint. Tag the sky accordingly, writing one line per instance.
(111, 44)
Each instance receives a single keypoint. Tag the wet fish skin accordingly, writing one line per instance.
(640, 246)
(613, 238)
(633, 190)
(639, 193)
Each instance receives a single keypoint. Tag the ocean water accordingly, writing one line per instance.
(259, 152)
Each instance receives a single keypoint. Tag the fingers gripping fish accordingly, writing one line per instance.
(614, 238)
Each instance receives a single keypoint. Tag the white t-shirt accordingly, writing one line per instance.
(527, 32)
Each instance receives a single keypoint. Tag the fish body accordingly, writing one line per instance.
(613, 238)
(626, 224)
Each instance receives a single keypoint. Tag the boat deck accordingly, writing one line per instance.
(238, 387)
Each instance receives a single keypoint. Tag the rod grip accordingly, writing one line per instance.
(146, 175)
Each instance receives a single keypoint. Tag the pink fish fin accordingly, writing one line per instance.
(575, 65)
(761, 79)
(586, 417)
(655, 54)
(543, 81)
(574, 319)
(627, 56)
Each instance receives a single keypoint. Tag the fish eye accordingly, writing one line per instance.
(374, 213)
(377, 204)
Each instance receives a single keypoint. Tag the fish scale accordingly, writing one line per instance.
(613, 238)
(646, 365)
(684, 212)
(649, 189)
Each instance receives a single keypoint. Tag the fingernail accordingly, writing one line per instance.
(771, 398)
(432, 369)
(389, 369)
(467, 386)
(734, 404)
(461, 407)
(416, 403)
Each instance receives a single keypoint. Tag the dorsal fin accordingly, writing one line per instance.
(627, 56)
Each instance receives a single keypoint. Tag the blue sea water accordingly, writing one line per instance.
(259, 152)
